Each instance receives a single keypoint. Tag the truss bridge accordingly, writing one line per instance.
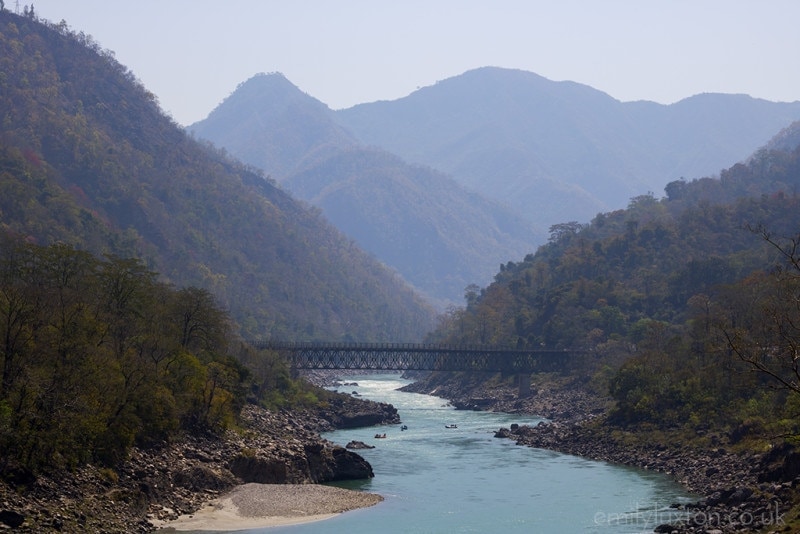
(419, 357)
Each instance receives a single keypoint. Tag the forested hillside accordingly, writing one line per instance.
(87, 158)
(98, 355)
(438, 235)
(677, 300)
(488, 146)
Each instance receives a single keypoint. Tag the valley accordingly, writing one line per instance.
(149, 273)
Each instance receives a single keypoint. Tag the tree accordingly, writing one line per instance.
(96, 355)
(19, 306)
(761, 325)
(204, 326)
(471, 294)
(676, 190)
(562, 231)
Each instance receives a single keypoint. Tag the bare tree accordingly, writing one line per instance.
(761, 325)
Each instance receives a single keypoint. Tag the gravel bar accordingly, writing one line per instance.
(264, 505)
(260, 500)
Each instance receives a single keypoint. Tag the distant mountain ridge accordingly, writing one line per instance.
(88, 158)
(272, 125)
(440, 236)
(499, 144)
(560, 151)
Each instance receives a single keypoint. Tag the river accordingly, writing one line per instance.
(464, 480)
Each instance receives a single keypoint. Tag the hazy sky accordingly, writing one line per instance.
(193, 53)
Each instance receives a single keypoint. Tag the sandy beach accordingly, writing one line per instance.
(266, 505)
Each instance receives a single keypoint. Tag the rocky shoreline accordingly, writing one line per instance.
(737, 491)
(552, 397)
(162, 483)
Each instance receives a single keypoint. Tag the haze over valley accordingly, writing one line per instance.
(455, 179)
(616, 280)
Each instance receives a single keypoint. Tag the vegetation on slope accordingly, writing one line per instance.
(133, 260)
(87, 158)
(98, 355)
(438, 235)
(271, 124)
(676, 300)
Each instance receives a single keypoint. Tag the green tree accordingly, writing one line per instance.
(98, 355)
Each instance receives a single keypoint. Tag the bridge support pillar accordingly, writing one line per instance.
(523, 385)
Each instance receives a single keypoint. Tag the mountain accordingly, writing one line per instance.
(787, 139)
(439, 235)
(685, 306)
(88, 158)
(560, 151)
(499, 144)
(270, 124)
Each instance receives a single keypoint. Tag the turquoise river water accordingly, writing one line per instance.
(464, 480)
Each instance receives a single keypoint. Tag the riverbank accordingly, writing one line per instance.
(554, 397)
(741, 486)
(162, 483)
(268, 505)
(738, 491)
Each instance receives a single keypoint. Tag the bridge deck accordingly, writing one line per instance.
(418, 357)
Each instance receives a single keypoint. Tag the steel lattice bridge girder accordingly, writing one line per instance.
(418, 357)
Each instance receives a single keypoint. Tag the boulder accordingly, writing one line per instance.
(360, 419)
(740, 495)
(349, 465)
(11, 518)
(781, 464)
(201, 477)
(358, 445)
(503, 433)
(336, 463)
(260, 470)
(347, 412)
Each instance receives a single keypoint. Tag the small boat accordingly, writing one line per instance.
(380, 436)
(451, 426)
